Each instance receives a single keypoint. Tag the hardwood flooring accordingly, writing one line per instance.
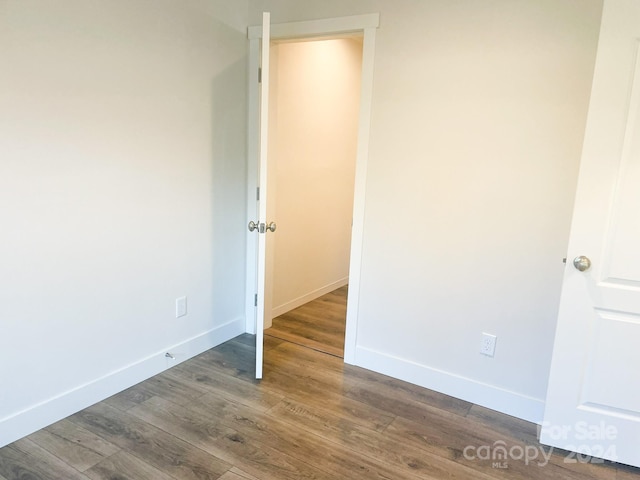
(311, 417)
(319, 324)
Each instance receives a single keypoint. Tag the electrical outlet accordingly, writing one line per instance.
(181, 307)
(488, 346)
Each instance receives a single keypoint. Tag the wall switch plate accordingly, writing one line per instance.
(488, 345)
(181, 307)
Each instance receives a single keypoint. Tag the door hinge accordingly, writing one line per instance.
(259, 74)
(255, 300)
(258, 194)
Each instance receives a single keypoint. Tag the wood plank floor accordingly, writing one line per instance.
(311, 417)
(319, 324)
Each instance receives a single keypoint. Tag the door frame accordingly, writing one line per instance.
(367, 26)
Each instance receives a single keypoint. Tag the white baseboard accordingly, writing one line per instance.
(490, 396)
(67, 403)
(298, 302)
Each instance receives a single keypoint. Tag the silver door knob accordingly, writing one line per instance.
(253, 226)
(582, 263)
(272, 227)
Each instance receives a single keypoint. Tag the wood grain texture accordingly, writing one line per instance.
(73, 444)
(160, 449)
(207, 429)
(319, 324)
(310, 417)
(205, 374)
(179, 391)
(232, 476)
(406, 462)
(241, 474)
(24, 460)
(124, 466)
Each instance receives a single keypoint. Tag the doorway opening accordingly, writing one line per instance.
(314, 99)
(256, 298)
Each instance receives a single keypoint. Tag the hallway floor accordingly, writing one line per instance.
(319, 324)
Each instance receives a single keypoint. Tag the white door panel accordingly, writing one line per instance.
(593, 398)
(262, 197)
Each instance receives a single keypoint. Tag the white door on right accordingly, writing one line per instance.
(593, 397)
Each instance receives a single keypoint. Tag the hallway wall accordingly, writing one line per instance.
(313, 135)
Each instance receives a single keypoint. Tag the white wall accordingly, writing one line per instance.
(315, 100)
(122, 187)
(478, 115)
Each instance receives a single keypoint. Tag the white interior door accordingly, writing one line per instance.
(593, 398)
(261, 227)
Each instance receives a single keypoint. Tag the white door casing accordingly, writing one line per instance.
(367, 25)
(259, 226)
(593, 397)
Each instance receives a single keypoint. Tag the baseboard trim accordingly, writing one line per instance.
(298, 302)
(38, 416)
(490, 396)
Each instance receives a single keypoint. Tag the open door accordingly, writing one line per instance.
(593, 398)
(260, 226)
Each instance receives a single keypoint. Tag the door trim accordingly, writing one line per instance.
(367, 25)
(322, 27)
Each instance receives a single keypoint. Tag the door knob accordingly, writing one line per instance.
(261, 227)
(582, 263)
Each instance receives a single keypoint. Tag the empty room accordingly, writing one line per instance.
(150, 185)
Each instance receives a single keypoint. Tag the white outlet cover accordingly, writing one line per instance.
(488, 345)
(181, 307)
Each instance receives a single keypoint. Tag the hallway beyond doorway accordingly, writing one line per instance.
(319, 324)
